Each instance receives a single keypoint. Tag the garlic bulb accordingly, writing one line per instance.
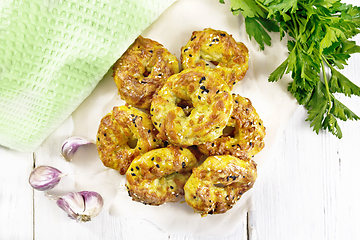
(81, 206)
(45, 177)
(71, 145)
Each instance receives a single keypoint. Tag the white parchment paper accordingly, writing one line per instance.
(271, 100)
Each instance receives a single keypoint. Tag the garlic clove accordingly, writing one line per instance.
(93, 202)
(44, 178)
(72, 203)
(71, 145)
(81, 206)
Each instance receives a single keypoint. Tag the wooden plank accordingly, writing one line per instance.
(307, 190)
(16, 195)
(241, 232)
(52, 221)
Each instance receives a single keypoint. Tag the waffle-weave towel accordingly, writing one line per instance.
(52, 55)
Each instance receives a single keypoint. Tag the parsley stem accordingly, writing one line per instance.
(262, 5)
(326, 82)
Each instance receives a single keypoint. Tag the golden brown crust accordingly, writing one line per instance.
(159, 175)
(211, 104)
(122, 127)
(246, 137)
(219, 48)
(218, 183)
(142, 70)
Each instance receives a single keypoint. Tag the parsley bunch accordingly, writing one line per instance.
(320, 32)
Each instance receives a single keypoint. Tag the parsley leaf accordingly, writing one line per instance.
(341, 84)
(320, 33)
(254, 29)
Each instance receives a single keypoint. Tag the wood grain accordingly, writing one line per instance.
(306, 190)
(16, 195)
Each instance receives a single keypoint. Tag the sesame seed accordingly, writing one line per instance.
(190, 55)
(133, 174)
(157, 165)
(193, 38)
(137, 167)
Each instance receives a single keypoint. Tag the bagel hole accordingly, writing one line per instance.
(146, 73)
(219, 185)
(186, 106)
(211, 64)
(132, 143)
(228, 131)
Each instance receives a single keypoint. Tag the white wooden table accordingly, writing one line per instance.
(306, 190)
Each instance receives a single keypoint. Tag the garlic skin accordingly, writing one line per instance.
(44, 178)
(81, 206)
(71, 145)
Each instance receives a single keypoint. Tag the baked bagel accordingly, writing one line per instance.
(244, 135)
(218, 183)
(124, 134)
(220, 49)
(159, 176)
(142, 70)
(207, 99)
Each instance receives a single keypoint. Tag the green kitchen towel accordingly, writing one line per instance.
(52, 55)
